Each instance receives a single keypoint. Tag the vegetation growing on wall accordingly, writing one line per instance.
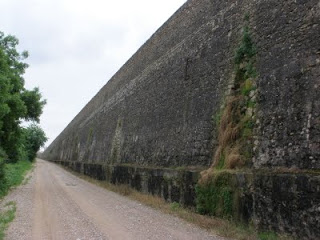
(237, 119)
(216, 192)
(216, 198)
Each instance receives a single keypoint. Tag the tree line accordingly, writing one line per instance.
(17, 105)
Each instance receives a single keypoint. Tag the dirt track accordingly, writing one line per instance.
(55, 204)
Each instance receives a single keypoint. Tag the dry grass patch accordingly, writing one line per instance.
(233, 158)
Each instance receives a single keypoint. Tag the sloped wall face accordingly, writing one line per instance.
(287, 36)
(157, 111)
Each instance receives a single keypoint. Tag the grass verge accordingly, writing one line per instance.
(217, 226)
(15, 172)
(6, 216)
(14, 175)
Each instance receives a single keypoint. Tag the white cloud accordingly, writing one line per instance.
(76, 46)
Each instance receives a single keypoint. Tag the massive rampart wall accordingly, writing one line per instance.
(156, 111)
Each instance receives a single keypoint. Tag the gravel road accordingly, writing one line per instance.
(55, 204)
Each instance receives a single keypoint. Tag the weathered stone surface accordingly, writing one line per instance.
(285, 202)
(290, 203)
(289, 81)
(157, 110)
(172, 185)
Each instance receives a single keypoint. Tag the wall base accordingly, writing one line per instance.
(172, 185)
(273, 201)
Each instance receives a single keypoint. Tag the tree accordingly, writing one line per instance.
(16, 102)
(34, 139)
(34, 104)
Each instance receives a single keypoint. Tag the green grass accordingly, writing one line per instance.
(6, 217)
(272, 236)
(174, 206)
(217, 196)
(15, 172)
(221, 162)
(14, 175)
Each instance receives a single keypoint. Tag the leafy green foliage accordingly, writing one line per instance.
(246, 50)
(34, 104)
(16, 102)
(34, 139)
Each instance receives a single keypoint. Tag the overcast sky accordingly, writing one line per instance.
(76, 46)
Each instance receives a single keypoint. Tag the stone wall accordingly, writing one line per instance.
(156, 111)
(287, 202)
(273, 201)
(287, 36)
(171, 184)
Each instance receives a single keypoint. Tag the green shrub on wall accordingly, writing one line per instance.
(217, 196)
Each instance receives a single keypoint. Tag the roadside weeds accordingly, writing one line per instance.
(16, 174)
(6, 216)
